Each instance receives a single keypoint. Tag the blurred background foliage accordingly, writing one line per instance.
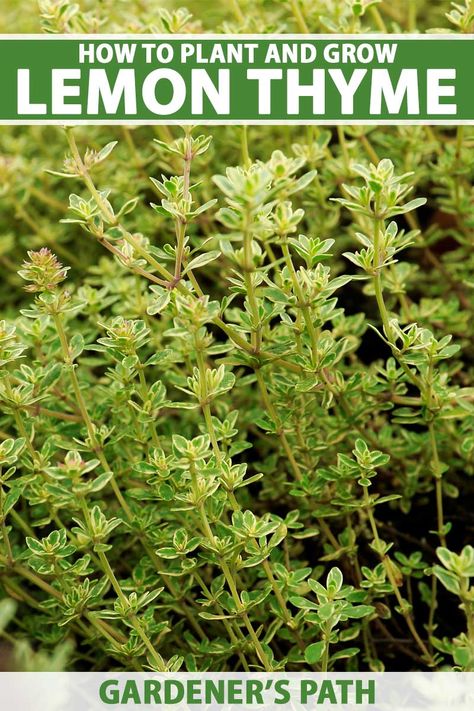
(263, 15)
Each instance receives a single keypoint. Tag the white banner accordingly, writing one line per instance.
(66, 691)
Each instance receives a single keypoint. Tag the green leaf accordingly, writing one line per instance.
(303, 603)
(11, 498)
(201, 260)
(76, 346)
(412, 205)
(105, 152)
(314, 652)
(100, 482)
(358, 611)
(448, 579)
(334, 580)
(345, 654)
(163, 298)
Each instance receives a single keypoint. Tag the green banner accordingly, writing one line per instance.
(237, 79)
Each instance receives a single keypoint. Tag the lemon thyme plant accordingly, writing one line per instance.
(235, 382)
